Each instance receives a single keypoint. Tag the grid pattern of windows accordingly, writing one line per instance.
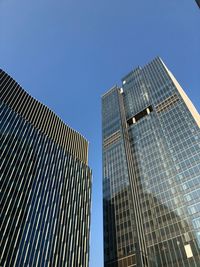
(164, 156)
(45, 190)
(120, 240)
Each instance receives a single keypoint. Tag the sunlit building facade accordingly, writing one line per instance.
(151, 172)
(45, 185)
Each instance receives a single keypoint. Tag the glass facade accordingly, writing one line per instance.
(45, 185)
(151, 172)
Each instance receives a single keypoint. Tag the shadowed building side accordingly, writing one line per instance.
(198, 3)
(45, 185)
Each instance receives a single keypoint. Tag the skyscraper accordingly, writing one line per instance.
(45, 185)
(151, 172)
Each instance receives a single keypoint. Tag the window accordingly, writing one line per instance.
(188, 251)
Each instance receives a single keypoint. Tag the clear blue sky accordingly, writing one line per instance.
(67, 53)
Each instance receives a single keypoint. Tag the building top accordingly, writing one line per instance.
(110, 91)
(133, 72)
(131, 75)
(137, 70)
(42, 118)
(135, 75)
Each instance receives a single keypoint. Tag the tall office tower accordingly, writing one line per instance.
(45, 185)
(151, 172)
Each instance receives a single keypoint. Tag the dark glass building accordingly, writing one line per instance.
(151, 172)
(45, 185)
(198, 3)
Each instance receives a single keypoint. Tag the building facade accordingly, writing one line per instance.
(151, 172)
(45, 185)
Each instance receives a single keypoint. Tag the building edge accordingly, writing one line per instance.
(47, 112)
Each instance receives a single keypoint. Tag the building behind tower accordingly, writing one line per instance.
(151, 172)
(45, 185)
(198, 3)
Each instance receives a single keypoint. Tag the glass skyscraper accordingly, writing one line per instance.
(45, 185)
(151, 172)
